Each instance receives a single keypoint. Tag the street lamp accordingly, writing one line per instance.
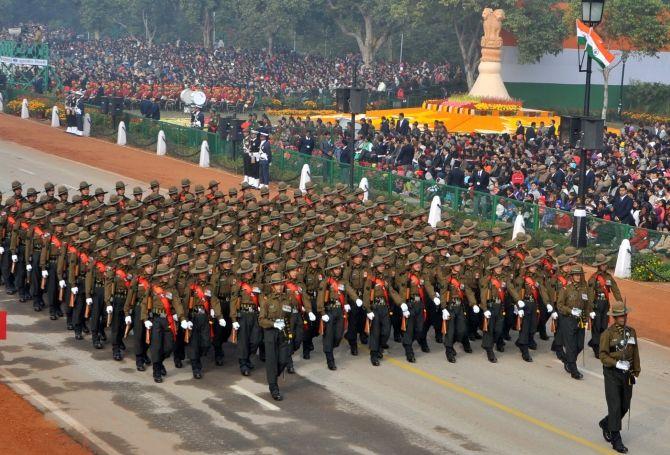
(592, 15)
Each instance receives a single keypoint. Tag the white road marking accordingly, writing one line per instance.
(584, 370)
(266, 404)
(26, 171)
(31, 394)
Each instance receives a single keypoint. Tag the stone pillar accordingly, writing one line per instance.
(489, 83)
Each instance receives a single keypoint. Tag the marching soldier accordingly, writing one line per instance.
(332, 305)
(222, 284)
(95, 283)
(300, 316)
(244, 314)
(456, 297)
(79, 265)
(52, 253)
(356, 275)
(116, 292)
(603, 285)
(312, 277)
(274, 317)
(575, 309)
(36, 239)
(203, 304)
(620, 356)
(379, 295)
(17, 248)
(139, 291)
(558, 282)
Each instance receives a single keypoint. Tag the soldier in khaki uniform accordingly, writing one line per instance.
(202, 311)
(116, 292)
(575, 309)
(312, 276)
(181, 281)
(604, 288)
(455, 298)
(244, 314)
(300, 315)
(96, 279)
(80, 263)
(356, 274)
(139, 291)
(161, 314)
(52, 251)
(274, 318)
(620, 356)
(222, 281)
(558, 282)
(36, 239)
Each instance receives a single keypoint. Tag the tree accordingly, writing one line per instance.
(272, 16)
(371, 22)
(200, 13)
(534, 25)
(97, 15)
(636, 26)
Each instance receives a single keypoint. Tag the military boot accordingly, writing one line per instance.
(158, 377)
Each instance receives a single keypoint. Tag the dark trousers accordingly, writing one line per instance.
(542, 318)
(528, 325)
(200, 340)
(52, 290)
(396, 323)
(162, 340)
(433, 319)
(98, 319)
(79, 308)
(457, 327)
(414, 327)
(221, 334)
(35, 280)
(557, 343)
(618, 393)
(139, 332)
(573, 339)
(312, 328)
(356, 325)
(495, 326)
(6, 267)
(118, 326)
(277, 355)
(333, 330)
(509, 320)
(380, 329)
(20, 274)
(599, 323)
(249, 337)
(474, 320)
(264, 172)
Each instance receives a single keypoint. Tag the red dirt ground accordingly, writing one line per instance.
(647, 300)
(26, 431)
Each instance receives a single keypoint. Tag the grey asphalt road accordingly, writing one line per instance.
(429, 407)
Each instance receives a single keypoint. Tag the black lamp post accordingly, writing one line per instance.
(592, 14)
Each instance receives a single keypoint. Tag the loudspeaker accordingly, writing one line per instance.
(235, 133)
(342, 99)
(592, 133)
(104, 105)
(358, 100)
(116, 105)
(570, 130)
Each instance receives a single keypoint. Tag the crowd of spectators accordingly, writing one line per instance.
(135, 70)
(627, 182)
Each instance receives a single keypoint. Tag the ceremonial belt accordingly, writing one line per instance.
(168, 310)
(498, 285)
(533, 287)
(250, 292)
(563, 281)
(336, 287)
(603, 285)
(455, 283)
(417, 282)
(295, 289)
(381, 284)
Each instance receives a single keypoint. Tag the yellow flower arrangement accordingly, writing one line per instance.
(300, 112)
(496, 107)
(310, 104)
(276, 102)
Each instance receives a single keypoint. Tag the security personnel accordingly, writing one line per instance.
(312, 277)
(79, 265)
(222, 284)
(52, 251)
(17, 250)
(274, 317)
(300, 315)
(575, 309)
(181, 281)
(494, 292)
(244, 314)
(356, 274)
(604, 288)
(139, 291)
(558, 281)
(203, 309)
(379, 299)
(95, 284)
(620, 357)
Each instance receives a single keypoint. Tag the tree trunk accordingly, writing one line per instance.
(606, 76)
(271, 43)
(468, 43)
(207, 30)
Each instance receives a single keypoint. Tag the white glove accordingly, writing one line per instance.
(129, 320)
(2, 250)
(347, 308)
(222, 322)
(549, 308)
(592, 314)
(15, 258)
(45, 273)
(89, 301)
(521, 313)
(325, 318)
(359, 303)
(404, 308)
(74, 290)
(436, 300)
(147, 324)
(236, 325)
(184, 324)
(189, 325)
(576, 312)
(279, 325)
(311, 316)
(445, 314)
(475, 309)
(554, 315)
(175, 317)
(61, 284)
(371, 315)
(211, 312)
(521, 304)
(109, 309)
(623, 365)
(29, 267)
(256, 290)
(405, 314)
(487, 314)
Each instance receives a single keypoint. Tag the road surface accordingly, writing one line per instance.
(429, 407)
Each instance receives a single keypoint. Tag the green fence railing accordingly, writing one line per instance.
(543, 222)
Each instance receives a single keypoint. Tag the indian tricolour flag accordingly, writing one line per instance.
(594, 45)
